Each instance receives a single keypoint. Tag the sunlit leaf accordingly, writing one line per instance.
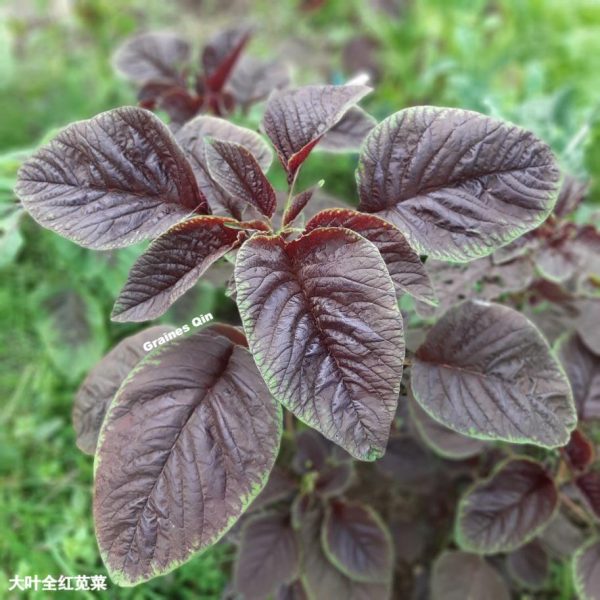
(185, 447)
(485, 371)
(110, 181)
(458, 184)
(322, 323)
(172, 265)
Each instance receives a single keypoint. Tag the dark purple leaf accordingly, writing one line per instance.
(220, 55)
(485, 371)
(334, 479)
(179, 104)
(589, 486)
(529, 565)
(572, 193)
(279, 487)
(322, 322)
(458, 184)
(357, 542)
(268, 556)
(111, 181)
(235, 169)
(408, 464)
(154, 57)
(296, 120)
(442, 440)
(404, 265)
(172, 265)
(321, 578)
(103, 381)
(192, 138)
(177, 461)
(254, 79)
(298, 204)
(587, 324)
(463, 576)
(293, 591)
(311, 453)
(583, 370)
(579, 452)
(508, 509)
(561, 537)
(586, 570)
(348, 134)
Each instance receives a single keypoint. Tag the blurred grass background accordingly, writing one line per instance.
(535, 62)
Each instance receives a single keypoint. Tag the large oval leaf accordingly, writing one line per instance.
(186, 445)
(463, 576)
(268, 556)
(322, 323)
(172, 265)
(485, 371)
(295, 120)
(103, 381)
(357, 542)
(586, 570)
(583, 369)
(403, 263)
(111, 181)
(508, 509)
(159, 57)
(458, 184)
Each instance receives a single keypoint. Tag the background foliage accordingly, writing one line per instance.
(530, 61)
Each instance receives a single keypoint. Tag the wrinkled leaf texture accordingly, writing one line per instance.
(458, 184)
(403, 263)
(322, 323)
(236, 170)
(172, 265)
(102, 382)
(485, 371)
(295, 120)
(111, 181)
(185, 447)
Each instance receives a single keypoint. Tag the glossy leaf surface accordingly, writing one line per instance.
(485, 371)
(186, 445)
(403, 263)
(458, 184)
(110, 181)
(508, 509)
(322, 323)
(295, 120)
(103, 381)
(236, 170)
(172, 265)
